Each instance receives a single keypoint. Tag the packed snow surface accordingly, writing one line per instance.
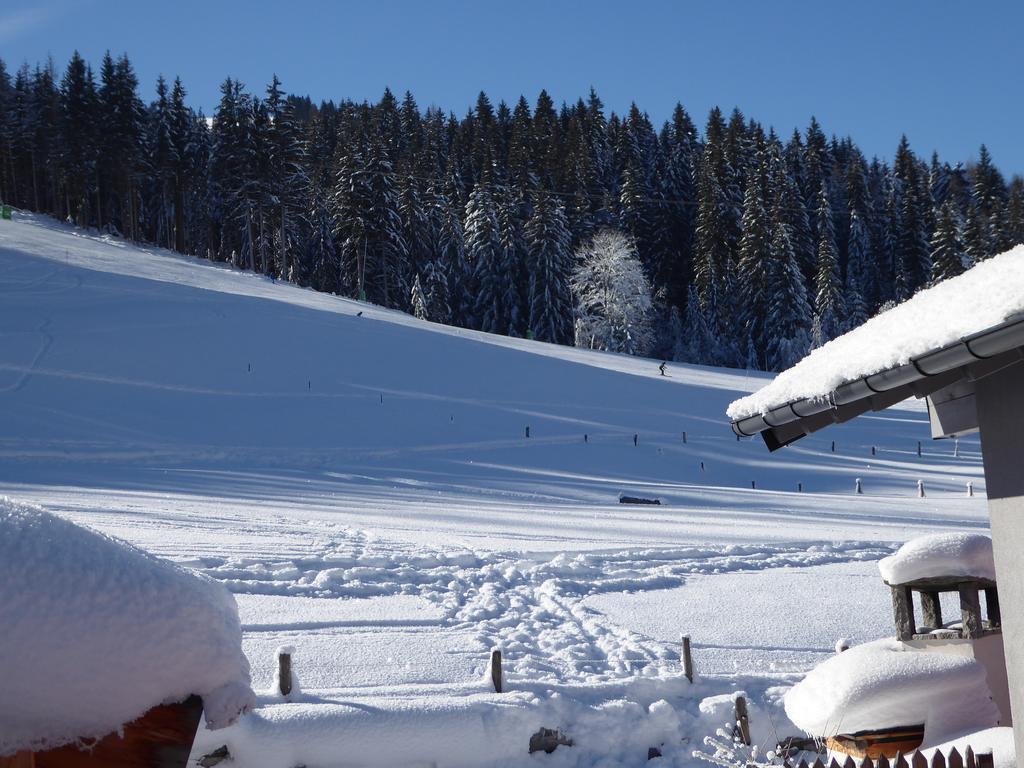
(940, 554)
(985, 296)
(362, 482)
(886, 684)
(96, 632)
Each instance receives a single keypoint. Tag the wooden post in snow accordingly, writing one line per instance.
(742, 720)
(687, 659)
(496, 670)
(284, 671)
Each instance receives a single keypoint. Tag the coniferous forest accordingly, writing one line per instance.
(751, 248)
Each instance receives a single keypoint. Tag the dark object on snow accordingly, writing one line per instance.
(662, 368)
(547, 740)
(497, 679)
(284, 673)
(624, 499)
(215, 758)
(653, 752)
(742, 719)
(636, 440)
(359, 313)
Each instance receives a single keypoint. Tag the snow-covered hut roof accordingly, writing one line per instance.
(940, 555)
(96, 633)
(884, 684)
(915, 348)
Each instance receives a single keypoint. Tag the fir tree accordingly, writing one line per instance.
(788, 315)
(977, 236)
(550, 303)
(417, 301)
(829, 311)
(948, 254)
(754, 265)
(481, 302)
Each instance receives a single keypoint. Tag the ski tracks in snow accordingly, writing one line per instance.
(530, 606)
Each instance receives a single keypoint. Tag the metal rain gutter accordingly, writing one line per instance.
(969, 349)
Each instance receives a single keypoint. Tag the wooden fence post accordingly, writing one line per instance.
(687, 659)
(496, 670)
(284, 670)
(742, 719)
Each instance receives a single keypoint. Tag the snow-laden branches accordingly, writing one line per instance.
(613, 296)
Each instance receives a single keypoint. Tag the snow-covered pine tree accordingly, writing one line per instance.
(857, 271)
(788, 319)
(288, 180)
(415, 223)
(480, 305)
(948, 255)
(369, 226)
(78, 140)
(613, 297)
(1012, 232)
(912, 262)
(513, 265)
(162, 158)
(700, 342)
(977, 235)
(417, 301)
(550, 302)
(753, 267)
(829, 311)
(445, 273)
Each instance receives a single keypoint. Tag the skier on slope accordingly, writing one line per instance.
(662, 368)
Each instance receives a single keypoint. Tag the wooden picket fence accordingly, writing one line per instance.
(952, 760)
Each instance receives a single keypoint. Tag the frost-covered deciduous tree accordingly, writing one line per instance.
(613, 296)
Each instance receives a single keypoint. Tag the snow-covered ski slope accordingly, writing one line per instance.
(364, 484)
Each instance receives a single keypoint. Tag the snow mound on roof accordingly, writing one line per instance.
(985, 296)
(96, 632)
(884, 684)
(940, 554)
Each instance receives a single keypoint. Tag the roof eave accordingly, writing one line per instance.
(971, 358)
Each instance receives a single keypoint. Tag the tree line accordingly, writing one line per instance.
(752, 248)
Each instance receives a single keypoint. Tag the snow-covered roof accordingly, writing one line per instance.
(984, 297)
(939, 555)
(96, 633)
(885, 684)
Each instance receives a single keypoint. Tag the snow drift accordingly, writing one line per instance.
(96, 632)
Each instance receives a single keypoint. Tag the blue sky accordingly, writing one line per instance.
(946, 74)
